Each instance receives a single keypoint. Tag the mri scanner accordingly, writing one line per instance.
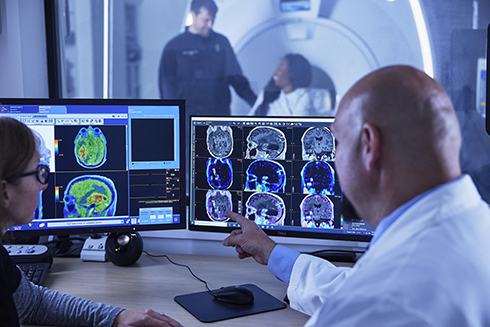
(342, 39)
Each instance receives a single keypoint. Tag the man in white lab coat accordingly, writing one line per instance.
(397, 159)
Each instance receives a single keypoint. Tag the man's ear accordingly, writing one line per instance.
(371, 146)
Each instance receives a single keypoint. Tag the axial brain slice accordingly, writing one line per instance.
(318, 144)
(219, 141)
(266, 143)
(317, 177)
(217, 203)
(90, 147)
(90, 196)
(219, 173)
(266, 209)
(317, 211)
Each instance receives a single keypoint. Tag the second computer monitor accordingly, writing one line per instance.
(277, 171)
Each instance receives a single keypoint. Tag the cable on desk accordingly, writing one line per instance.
(181, 265)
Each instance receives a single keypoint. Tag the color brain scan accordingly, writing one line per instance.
(217, 203)
(318, 144)
(265, 142)
(317, 211)
(219, 140)
(317, 177)
(90, 147)
(219, 173)
(265, 176)
(266, 209)
(90, 196)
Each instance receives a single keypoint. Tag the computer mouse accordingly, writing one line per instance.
(234, 294)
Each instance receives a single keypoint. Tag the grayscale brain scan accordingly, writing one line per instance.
(266, 143)
(219, 173)
(317, 211)
(219, 141)
(317, 177)
(318, 144)
(217, 203)
(266, 209)
(265, 176)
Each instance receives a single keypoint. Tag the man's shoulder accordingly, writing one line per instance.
(177, 40)
(218, 37)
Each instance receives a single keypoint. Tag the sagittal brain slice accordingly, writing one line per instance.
(219, 173)
(90, 147)
(317, 211)
(266, 209)
(219, 141)
(317, 177)
(265, 142)
(318, 144)
(90, 196)
(217, 203)
(265, 176)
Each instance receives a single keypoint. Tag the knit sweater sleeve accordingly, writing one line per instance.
(40, 305)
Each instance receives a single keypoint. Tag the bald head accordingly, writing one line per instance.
(413, 113)
(407, 119)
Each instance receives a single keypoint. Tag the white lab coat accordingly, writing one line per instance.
(431, 267)
(300, 102)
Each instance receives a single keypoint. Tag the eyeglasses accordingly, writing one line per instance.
(42, 174)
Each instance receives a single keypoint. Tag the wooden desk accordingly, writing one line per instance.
(154, 282)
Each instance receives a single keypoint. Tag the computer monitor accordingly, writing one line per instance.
(116, 165)
(277, 171)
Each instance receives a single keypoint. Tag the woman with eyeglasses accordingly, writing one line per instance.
(21, 180)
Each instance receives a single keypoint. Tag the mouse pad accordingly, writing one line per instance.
(204, 307)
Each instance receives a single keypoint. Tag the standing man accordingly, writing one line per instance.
(199, 65)
(397, 158)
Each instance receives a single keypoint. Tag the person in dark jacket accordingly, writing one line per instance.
(199, 65)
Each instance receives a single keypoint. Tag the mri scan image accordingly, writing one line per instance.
(90, 147)
(266, 209)
(266, 143)
(317, 177)
(219, 173)
(318, 144)
(265, 176)
(217, 203)
(219, 140)
(317, 211)
(44, 156)
(90, 196)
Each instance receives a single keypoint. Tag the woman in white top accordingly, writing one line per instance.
(287, 93)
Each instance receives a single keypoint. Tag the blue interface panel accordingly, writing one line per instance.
(277, 171)
(112, 165)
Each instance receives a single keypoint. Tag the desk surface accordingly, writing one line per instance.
(154, 282)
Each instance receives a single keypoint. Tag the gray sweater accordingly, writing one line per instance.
(40, 305)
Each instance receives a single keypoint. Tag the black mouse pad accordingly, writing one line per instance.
(206, 308)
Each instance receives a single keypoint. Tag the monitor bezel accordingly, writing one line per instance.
(347, 206)
(112, 229)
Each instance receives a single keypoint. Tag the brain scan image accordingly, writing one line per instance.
(318, 144)
(219, 140)
(90, 147)
(217, 203)
(44, 156)
(317, 177)
(219, 173)
(90, 196)
(266, 209)
(266, 143)
(317, 211)
(265, 176)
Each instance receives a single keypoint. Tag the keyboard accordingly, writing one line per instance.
(35, 272)
(33, 260)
